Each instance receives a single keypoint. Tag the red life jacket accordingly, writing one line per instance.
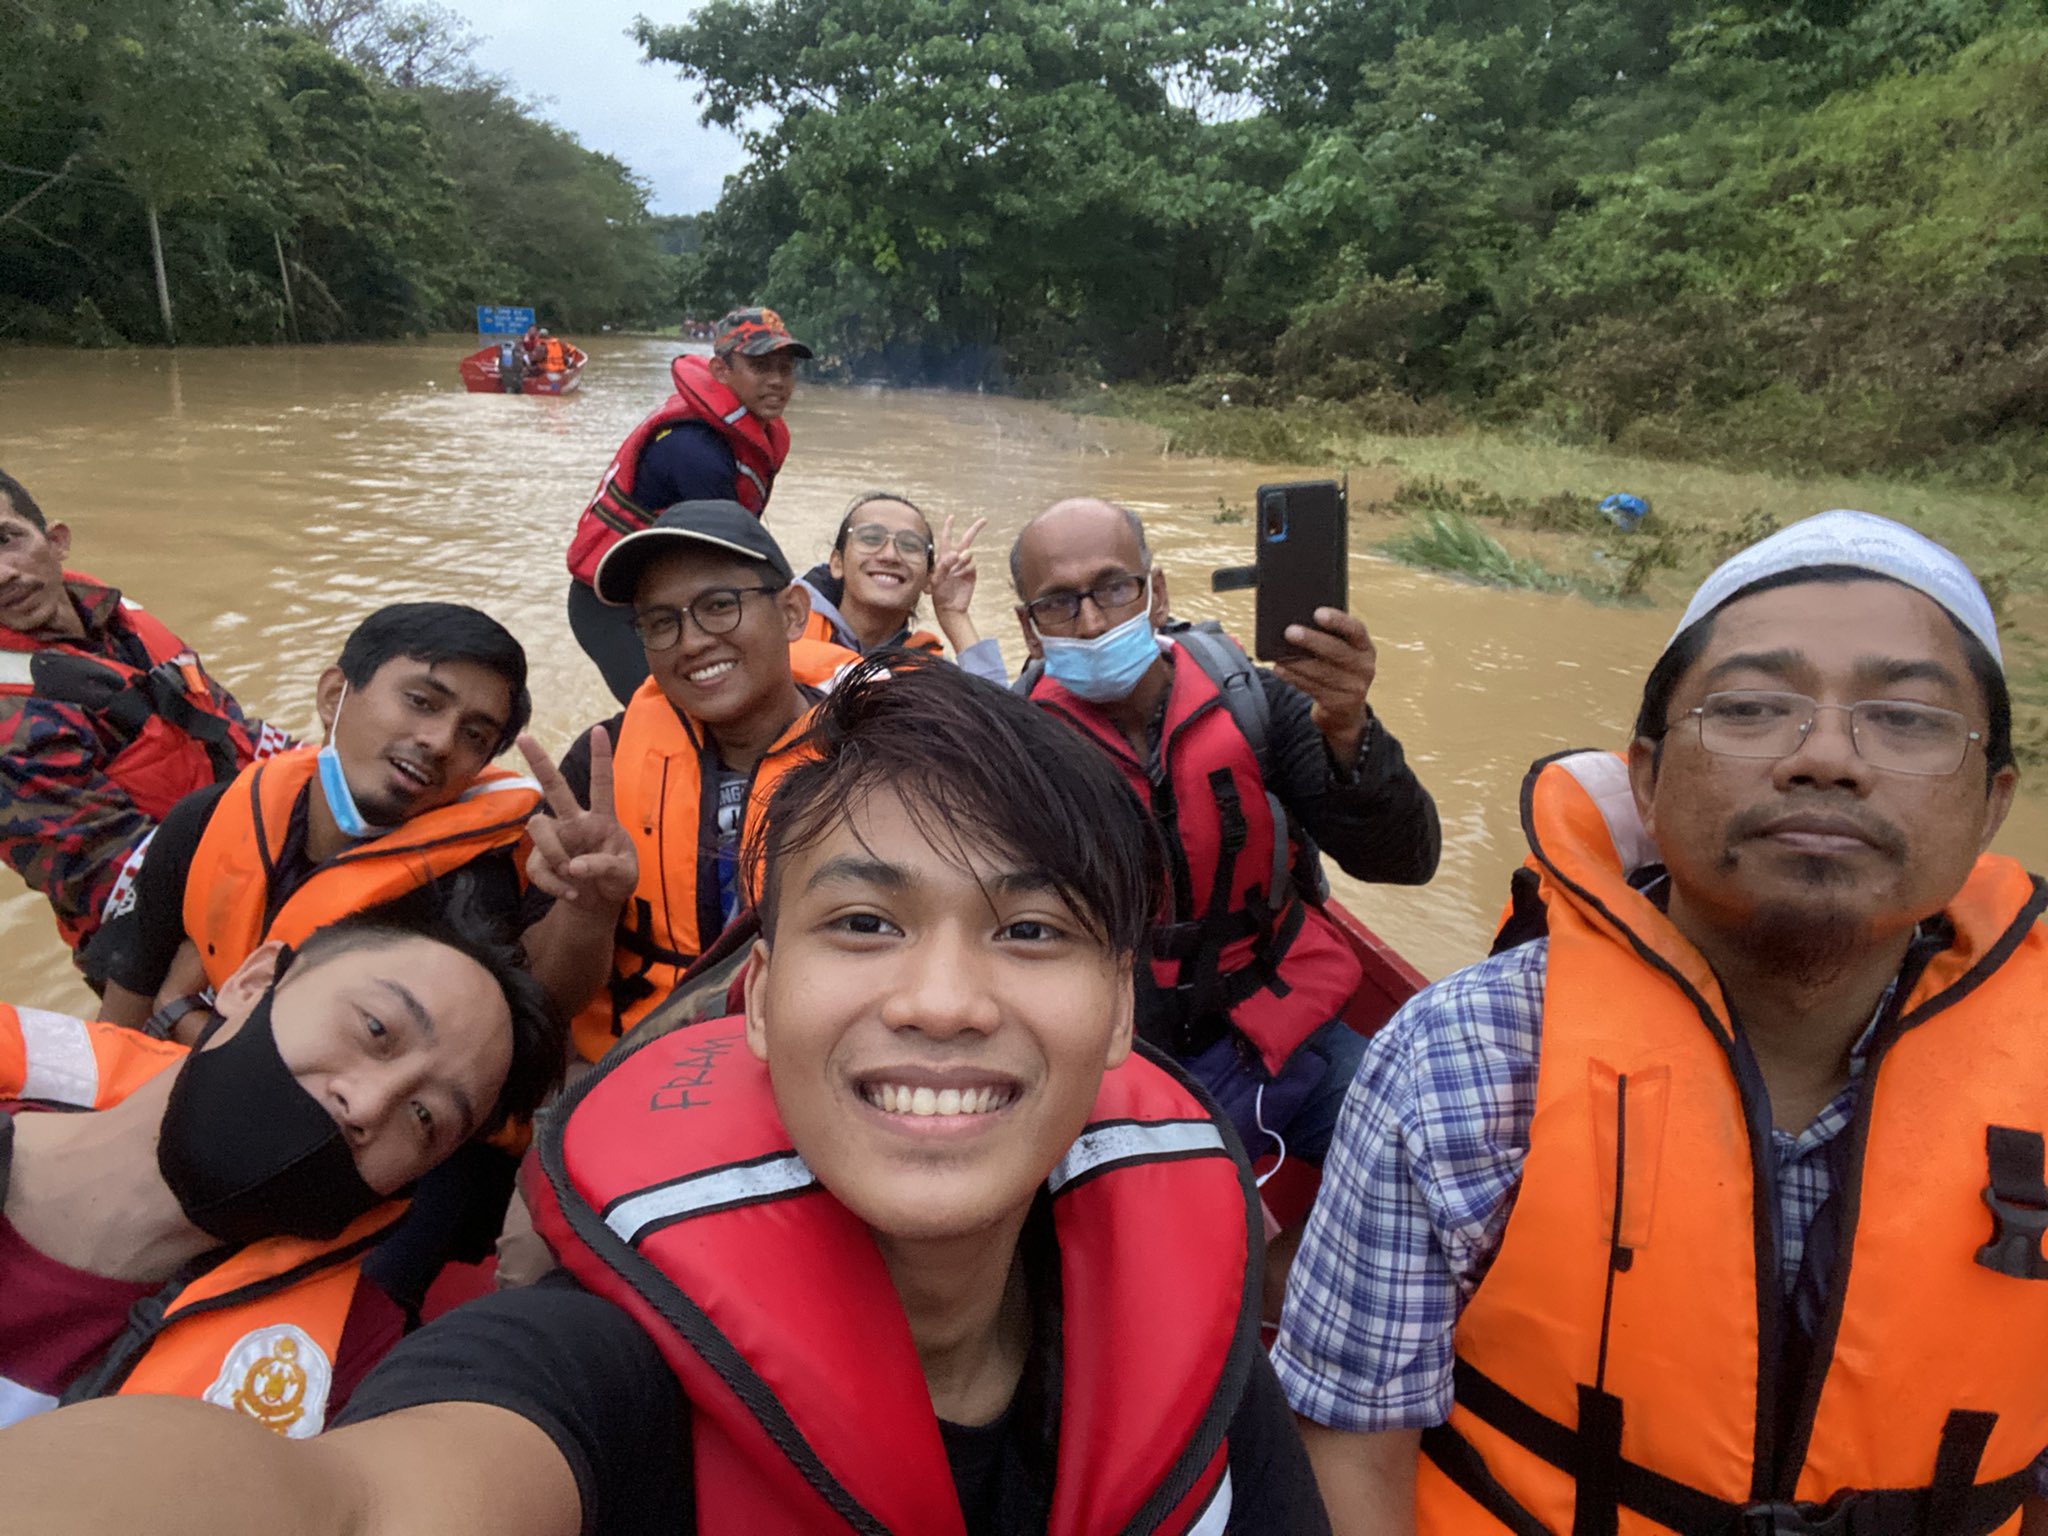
(1240, 942)
(758, 447)
(173, 735)
(669, 1186)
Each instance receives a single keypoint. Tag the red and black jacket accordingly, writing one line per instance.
(1240, 947)
(758, 449)
(668, 1185)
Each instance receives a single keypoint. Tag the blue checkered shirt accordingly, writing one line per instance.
(1416, 1193)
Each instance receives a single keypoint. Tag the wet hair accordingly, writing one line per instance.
(16, 495)
(1131, 519)
(1653, 719)
(433, 633)
(540, 1034)
(978, 768)
(864, 499)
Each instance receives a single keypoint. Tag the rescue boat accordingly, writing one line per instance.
(480, 374)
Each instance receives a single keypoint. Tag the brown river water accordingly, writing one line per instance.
(261, 502)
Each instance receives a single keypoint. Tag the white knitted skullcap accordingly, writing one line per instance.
(1867, 543)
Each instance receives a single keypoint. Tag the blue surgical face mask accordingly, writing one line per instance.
(341, 801)
(1105, 667)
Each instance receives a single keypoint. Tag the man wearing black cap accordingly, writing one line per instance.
(719, 437)
(712, 602)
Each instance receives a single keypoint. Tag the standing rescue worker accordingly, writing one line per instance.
(107, 720)
(195, 1222)
(1748, 1145)
(919, 1244)
(719, 437)
(1248, 976)
(700, 747)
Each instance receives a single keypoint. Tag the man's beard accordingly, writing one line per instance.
(1807, 944)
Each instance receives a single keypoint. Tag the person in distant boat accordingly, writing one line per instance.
(107, 719)
(554, 357)
(864, 594)
(1249, 977)
(719, 437)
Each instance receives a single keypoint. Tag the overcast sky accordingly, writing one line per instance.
(577, 53)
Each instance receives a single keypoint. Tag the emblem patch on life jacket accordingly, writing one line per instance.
(279, 1377)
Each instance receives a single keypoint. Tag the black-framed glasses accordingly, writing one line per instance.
(1111, 593)
(911, 546)
(1893, 734)
(717, 612)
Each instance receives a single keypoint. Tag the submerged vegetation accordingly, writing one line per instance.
(271, 170)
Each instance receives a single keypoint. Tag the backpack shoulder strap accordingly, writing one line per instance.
(1237, 680)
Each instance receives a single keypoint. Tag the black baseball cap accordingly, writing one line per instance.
(720, 525)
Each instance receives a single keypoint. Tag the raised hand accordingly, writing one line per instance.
(581, 855)
(1336, 671)
(952, 584)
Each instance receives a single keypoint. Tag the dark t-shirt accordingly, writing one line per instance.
(135, 948)
(689, 463)
(584, 1373)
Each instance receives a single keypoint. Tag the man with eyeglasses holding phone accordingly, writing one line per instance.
(701, 743)
(1744, 1135)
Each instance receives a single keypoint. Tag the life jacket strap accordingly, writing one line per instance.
(130, 702)
(2018, 1197)
(1954, 1503)
(618, 511)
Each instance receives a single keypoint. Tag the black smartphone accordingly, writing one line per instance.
(1303, 559)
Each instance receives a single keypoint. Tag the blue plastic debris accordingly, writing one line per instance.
(1624, 511)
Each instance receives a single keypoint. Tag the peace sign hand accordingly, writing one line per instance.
(952, 585)
(581, 856)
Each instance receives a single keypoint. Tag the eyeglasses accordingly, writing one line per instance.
(1065, 607)
(716, 611)
(911, 546)
(1892, 734)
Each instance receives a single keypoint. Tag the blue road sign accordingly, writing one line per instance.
(502, 319)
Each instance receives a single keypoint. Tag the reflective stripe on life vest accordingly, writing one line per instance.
(53, 1058)
(758, 449)
(809, 1413)
(1624, 1366)
(228, 889)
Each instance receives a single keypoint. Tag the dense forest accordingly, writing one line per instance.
(268, 170)
(1813, 232)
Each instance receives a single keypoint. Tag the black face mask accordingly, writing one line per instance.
(248, 1152)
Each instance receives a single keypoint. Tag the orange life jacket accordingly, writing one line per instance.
(758, 448)
(1240, 941)
(228, 890)
(822, 630)
(1623, 1366)
(256, 1333)
(168, 733)
(669, 1186)
(661, 766)
(553, 358)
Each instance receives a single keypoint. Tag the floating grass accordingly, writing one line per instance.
(1452, 543)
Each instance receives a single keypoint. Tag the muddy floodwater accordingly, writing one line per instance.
(261, 502)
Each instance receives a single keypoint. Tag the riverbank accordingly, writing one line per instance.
(1510, 510)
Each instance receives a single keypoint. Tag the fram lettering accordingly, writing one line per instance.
(686, 1087)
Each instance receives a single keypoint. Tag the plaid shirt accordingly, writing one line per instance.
(66, 828)
(1417, 1189)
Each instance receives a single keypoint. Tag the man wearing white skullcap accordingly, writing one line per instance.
(1740, 1126)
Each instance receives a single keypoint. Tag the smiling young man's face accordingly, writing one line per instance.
(936, 1035)
(884, 576)
(720, 678)
(417, 734)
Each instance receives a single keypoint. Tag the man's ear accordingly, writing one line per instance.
(58, 537)
(2003, 783)
(795, 602)
(836, 563)
(1162, 609)
(247, 983)
(1126, 1020)
(327, 696)
(721, 370)
(1642, 782)
(1030, 635)
(754, 990)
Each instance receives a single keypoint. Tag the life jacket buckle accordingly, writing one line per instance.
(1786, 1519)
(2018, 1198)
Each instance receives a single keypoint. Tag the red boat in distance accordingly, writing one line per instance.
(480, 375)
